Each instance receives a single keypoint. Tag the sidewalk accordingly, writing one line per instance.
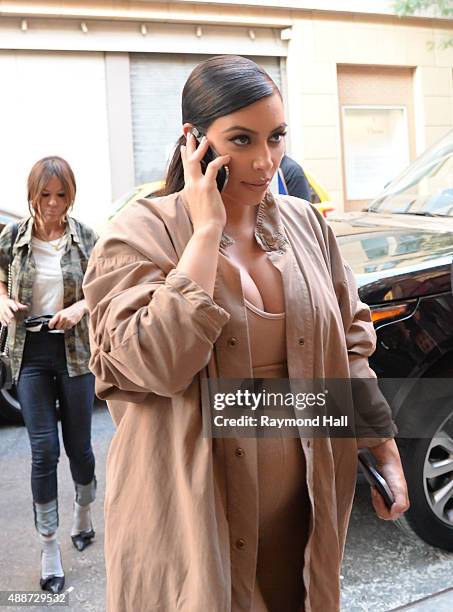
(440, 602)
(20, 550)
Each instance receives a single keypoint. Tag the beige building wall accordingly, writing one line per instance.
(320, 44)
(313, 108)
(312, 43)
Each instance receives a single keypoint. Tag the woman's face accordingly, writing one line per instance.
(254, 138)
(52, 201)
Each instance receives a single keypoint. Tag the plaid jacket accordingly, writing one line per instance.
(73, 266)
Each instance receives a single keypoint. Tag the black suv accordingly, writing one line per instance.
(401, 251)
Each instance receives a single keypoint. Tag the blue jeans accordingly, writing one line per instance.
(44, 378)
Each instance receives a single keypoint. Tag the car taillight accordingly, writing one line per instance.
(328, 210)
(380, 314)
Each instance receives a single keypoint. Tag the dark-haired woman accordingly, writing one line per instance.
(50, 359)
(236, 284)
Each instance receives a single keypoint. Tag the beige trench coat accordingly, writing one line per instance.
(181, 512)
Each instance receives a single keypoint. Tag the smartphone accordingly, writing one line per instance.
(211, 154)
(375, 478)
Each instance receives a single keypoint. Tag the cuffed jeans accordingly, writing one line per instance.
(44, 378)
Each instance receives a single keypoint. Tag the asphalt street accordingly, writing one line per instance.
(382, 571)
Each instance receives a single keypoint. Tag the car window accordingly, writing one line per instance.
(425, 187)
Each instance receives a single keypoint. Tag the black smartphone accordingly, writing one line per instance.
(211, 154)
(375, 478)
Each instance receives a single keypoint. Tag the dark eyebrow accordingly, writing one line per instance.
(244, 129)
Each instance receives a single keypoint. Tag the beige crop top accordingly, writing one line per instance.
(267, 342)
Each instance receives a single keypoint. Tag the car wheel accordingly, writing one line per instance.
(10, 411)
(428, 466)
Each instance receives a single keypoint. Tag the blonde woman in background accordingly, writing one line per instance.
(49, 348)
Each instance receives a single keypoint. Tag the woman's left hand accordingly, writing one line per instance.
(68, 317)
(389, 465)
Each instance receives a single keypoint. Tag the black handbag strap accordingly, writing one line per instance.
(4, 328)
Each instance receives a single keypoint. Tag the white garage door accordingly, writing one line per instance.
(156, 86)
(54, 103)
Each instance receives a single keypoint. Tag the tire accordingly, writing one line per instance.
(428, 467)
(10, 411)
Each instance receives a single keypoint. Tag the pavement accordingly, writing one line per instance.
(383, 570)
(20, 557)
(440, 602)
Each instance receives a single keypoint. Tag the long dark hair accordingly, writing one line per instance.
(217, 87)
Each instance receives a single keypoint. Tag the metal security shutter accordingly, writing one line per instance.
(156, 86)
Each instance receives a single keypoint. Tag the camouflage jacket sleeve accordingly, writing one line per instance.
(5, 246)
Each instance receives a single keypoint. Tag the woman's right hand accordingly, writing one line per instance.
(8, 309)
(203, 197)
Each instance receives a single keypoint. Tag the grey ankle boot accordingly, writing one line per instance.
(46, 517)
(46, 523)
(84, 496)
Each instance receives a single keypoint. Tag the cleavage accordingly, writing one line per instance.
(261, 281)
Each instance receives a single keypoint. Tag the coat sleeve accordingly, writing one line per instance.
(150, 331)
(374, 422)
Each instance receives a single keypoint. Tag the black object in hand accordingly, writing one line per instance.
(375, 478)
(211, 154)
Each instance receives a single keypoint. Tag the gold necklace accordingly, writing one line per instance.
(59, 245)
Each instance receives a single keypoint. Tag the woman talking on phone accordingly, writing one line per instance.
(220, 279)
(49, 349)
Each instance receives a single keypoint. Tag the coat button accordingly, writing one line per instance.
(301, 341)
(232, 341)
(240, 543)
(239, 452)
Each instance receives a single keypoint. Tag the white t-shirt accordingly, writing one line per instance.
(48, 290)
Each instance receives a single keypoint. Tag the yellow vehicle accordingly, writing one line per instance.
(325, 204)
(142, 191)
